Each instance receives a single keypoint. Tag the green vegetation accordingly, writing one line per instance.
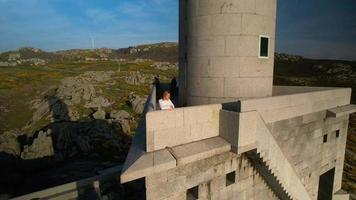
(20, 85)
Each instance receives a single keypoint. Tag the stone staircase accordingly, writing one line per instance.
(270, 179)
(274, 167)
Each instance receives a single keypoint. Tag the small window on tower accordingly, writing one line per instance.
(325, 138)
(193, 193)
(337, 133)
(264, 43)
(230, 178)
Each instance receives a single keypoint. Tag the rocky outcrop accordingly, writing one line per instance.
(4, 109)
(137, 102)
(125, 126)
(97, 102)
(74, 90)
(87, 138)
(165, 65)
(287, 57)
(70, 137)
(119, 115)
(41, 147)
(99, 114)
(4, 64)
(9, 144)
(123, 118)
(55, 107)
(340, 71)
(138, 78)
(14, 56)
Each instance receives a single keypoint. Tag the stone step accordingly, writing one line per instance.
(269, 152)
(267, 175)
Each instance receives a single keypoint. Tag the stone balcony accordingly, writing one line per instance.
(166, 139)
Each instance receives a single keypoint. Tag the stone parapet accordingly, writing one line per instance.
(180, 126)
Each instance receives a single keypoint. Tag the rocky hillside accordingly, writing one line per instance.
(65, 120)
(314, 72)
(164, 52)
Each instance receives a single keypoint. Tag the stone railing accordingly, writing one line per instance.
(89, 188)
(168, 128)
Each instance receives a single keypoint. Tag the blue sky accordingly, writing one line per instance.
(312, 28)
(65, 24)
(317, 28)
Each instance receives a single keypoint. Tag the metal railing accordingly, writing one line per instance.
(152, 101)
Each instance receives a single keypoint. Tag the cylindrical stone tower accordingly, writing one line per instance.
(226, 50)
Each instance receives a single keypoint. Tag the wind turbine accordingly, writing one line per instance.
(92, 41)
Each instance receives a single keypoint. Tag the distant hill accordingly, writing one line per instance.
(164, 52)
(296, 70)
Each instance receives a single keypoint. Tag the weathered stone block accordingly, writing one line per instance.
(226, 24)
(242, 46)
(240, 6)
(247, 128)
(255, 67)
(253, 24)
(208, 46)
(266, 7)
(232, 87)
(202, 26)
(193, 101)
(199, 67)
(229, 127)
(256, 87)
(200, 150)
(207, 87)
(224, 67)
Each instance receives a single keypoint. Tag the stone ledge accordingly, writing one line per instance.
(341, 111)
(289, 102)
(200, 150)
(147, 164)
(162, 160)
(341, 195)
(71, 190)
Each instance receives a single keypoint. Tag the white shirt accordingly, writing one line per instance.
(165, 104)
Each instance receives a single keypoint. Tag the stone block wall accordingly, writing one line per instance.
(180, 126)
(220, 49)
(283, 107)
(209, 176)
(302, 140)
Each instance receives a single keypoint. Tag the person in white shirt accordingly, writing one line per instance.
(165, 103)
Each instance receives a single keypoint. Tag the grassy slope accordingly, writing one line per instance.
(20, 85)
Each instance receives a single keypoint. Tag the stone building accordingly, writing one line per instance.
(236, 135)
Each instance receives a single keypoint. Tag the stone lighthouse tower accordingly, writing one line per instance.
(226, 50)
